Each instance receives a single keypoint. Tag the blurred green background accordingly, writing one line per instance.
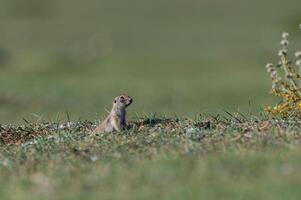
(173, 56)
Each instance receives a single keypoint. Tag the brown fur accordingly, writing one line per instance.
(116, 120)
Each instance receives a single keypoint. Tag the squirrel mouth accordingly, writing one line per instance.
(130, 102)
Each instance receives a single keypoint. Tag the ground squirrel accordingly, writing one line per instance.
(116, 120)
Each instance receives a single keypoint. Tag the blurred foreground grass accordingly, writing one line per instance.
(158, 158)
(183, 57)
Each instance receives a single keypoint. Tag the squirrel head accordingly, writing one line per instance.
(122, 101)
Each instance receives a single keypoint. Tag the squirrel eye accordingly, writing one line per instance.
(115, 101)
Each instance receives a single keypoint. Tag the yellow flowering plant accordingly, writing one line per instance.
(286, 82)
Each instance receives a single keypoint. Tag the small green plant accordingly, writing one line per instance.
(286, 82)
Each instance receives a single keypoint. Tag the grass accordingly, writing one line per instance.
(229, 157)
(193, 59)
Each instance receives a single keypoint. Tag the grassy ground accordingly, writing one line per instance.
(175, 58)
(206, 158)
